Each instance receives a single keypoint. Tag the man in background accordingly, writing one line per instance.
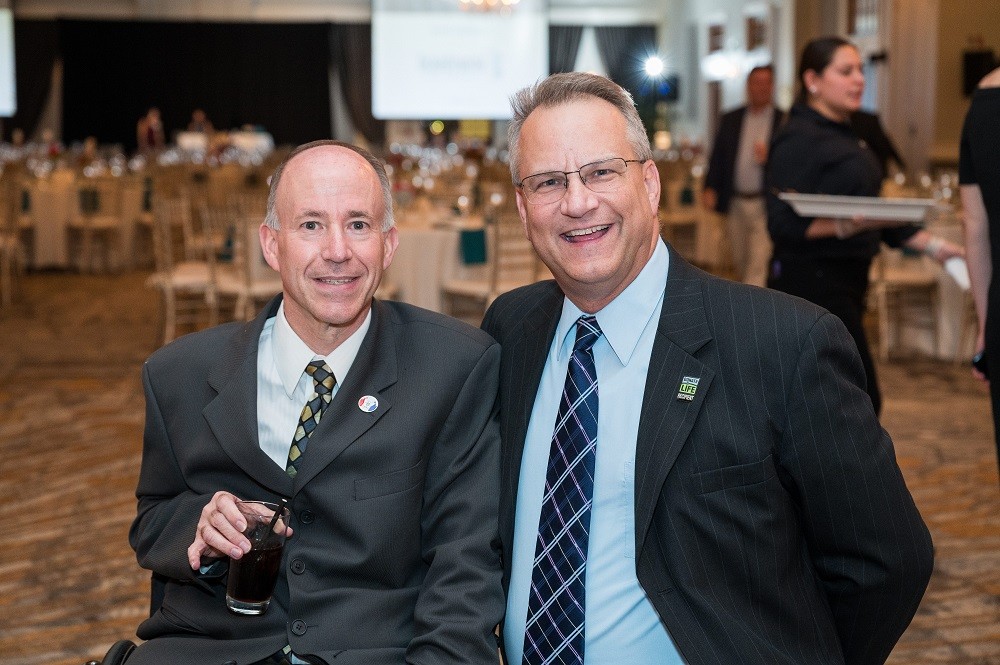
(734, 184)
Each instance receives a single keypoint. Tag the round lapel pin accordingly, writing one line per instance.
(367, 403)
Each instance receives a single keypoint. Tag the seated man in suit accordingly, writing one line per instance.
(716, 488)
(393, 556)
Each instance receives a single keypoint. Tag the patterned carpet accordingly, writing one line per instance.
(71, 415)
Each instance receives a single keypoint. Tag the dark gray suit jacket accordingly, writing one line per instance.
(394, 555)
(725, 148)
(772, 522)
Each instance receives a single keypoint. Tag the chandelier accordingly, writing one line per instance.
(503, 6)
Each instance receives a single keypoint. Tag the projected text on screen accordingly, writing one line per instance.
(454, 64)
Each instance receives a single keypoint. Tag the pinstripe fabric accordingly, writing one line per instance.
(772, 522)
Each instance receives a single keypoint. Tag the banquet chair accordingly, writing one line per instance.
(248, 202)
(680, 218)
(98, 223)
(511, 262)
(10, 262)
(222, 182)
(187, 285)
(968, 329)
(251, 281)
(12, 253)
(905, 293)
(138, 219)
(199, 239)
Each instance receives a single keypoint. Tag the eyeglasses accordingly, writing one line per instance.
(600, 177)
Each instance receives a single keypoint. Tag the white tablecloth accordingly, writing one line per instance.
(424, 260)
(951, 302)
(52, 205)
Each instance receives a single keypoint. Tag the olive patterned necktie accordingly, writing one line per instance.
(323, 382)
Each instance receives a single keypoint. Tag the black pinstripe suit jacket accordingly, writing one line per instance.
(772, 522)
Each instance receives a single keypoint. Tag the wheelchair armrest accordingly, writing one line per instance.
(117, 654)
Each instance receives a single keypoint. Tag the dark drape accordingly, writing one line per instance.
(351, 53)
(36, 47)
(564, 44)
(624, 50)
(270, 75)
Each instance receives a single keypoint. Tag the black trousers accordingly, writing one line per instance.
(839, 285)
(993, 358)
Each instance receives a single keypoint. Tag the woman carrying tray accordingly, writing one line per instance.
(827, 260)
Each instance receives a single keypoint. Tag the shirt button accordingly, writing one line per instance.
(299, 627)
(307, 517)
(298, 566)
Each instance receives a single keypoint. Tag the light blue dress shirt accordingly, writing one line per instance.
(621, 624)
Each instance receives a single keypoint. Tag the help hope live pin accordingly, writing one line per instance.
(367, 403)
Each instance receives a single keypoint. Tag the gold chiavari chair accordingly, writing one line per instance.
(187, 285)
(511, 262)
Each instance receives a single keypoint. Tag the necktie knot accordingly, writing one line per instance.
(587, 333)
(322, 376)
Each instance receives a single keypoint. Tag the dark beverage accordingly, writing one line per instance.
(252, 577)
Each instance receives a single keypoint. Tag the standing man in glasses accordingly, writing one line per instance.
(692, 470)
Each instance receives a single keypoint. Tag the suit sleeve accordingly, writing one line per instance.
(168, 511)
(716, 174)
(461, 601)
(870, 549)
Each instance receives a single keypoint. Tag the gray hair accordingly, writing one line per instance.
(271, 218)
(569, 87)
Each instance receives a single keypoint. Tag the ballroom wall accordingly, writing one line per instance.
(959, 26)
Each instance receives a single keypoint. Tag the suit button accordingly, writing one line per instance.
(298, 566)
(299, 627)
(307, 517)
(230, 662)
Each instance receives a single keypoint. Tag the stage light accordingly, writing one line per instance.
(654, 66)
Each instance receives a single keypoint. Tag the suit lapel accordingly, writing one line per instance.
(666, 419)
(232, 415)
(533, 346)
(343, 422)
(526, 354)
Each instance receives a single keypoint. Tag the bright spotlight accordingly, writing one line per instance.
(654, 66)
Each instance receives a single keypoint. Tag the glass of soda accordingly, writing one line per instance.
(252, 577)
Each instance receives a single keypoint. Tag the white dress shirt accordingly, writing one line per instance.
(283, 387)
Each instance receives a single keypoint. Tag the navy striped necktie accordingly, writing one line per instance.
(554, 631)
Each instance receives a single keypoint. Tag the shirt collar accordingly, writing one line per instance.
(763, 111)
(291, 354)
(623, 319)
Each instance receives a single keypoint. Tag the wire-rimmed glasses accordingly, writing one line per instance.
(602, 177)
